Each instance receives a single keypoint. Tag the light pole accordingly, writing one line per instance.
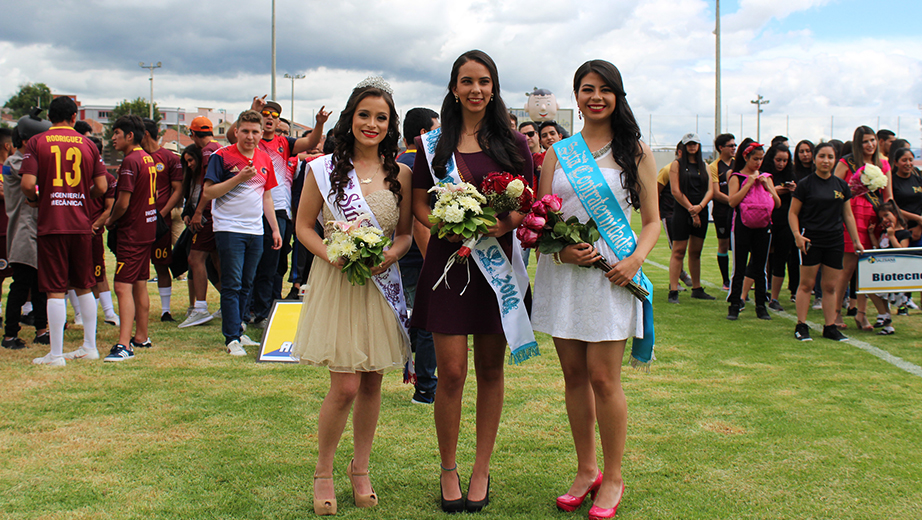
(758, 103)
(151, 67)
(717, 78)
(293, 78)
(273, 50)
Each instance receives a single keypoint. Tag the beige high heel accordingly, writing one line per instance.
(323, 507)
(369, 500)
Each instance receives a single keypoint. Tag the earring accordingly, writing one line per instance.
(491, 96)
(457, 99)
(580, 115)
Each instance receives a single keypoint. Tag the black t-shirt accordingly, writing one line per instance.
(901, 234)
(908, 194)
(821, 209)
(693, 183)
(780, 214)
(723, 175)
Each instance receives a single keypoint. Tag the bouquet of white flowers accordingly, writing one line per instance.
(360, 244)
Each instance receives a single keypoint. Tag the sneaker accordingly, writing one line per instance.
(422, 398)
(42, 339)
(742, 305)
(699, 294)
(912, 305)
(680, 288)
(902, 311)
(775, 306)
(197, 318)
(793, 297)
(673, 297)
(685, 278)
(882, 321)
(733, 313)
(247, 342)
(235, 349)
(762, 314)
(802, 332)
(47, 359)
(14, 344)
(886, 331)
(78, 320)
(260, 323)
(166, 316)
(817, 304)
(243, 327)
(119, 353)
(293, 294)
(135, 344)
(725, 287)
(82, 353)
(28, 319)
(113, 320)
(832, 332)
(217, 314)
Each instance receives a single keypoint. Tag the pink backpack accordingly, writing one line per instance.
(756, 208)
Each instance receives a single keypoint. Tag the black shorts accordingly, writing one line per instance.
(828, 256)
(682, 227)
(723, 218)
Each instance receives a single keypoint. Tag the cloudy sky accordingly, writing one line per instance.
(826, 66)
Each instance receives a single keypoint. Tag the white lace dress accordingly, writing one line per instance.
(573, 302)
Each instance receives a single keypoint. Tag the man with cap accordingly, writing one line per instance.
(69, 170)
(280, 149)
(20, 240)
(197, 216)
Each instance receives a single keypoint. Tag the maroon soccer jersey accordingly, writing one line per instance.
(98, 205)
(138, 176)
(64, 164)
(169, 170)
(209, 149)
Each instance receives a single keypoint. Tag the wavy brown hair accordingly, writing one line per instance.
(344, 147)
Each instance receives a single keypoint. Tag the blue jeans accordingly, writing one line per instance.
(264, 292)
(240, 254)
(420, 340)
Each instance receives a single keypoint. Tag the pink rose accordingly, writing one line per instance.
(538, 208)
(533, 221)
(527, 236)
(553, 202)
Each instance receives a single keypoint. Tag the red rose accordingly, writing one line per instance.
(538, 208)
(552, 201)
(528, 237)
(534, 222)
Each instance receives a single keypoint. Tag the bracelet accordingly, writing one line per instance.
(32, 200)
(556, 257)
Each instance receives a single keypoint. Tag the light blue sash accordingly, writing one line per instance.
(508, 279)
(603, 207)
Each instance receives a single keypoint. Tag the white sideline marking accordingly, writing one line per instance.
(898, 362)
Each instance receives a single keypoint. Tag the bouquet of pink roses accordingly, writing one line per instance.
(546, 230)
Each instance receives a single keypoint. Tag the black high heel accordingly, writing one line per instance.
(476, 506)
(451, 506)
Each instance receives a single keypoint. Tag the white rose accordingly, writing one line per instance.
(515, 188)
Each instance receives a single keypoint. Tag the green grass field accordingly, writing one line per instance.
(736, 420)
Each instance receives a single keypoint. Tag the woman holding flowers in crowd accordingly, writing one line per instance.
(363, 333)
(589, 312)
(853, 168)
(474, 140)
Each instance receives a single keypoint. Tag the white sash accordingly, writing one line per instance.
(507, 279)
(388, 282)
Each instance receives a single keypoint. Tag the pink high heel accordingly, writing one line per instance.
(597, 513)
(570, 503)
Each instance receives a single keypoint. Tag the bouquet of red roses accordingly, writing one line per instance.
(507, 192)
(546, 230)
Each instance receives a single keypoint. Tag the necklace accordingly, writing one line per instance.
(368, 180)
(602, 151)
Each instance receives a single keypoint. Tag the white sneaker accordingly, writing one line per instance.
(817, 304)
(246, 341)
(113, 320)
(47, 359)
(912, 305)
(78, 320)
(196, 318)
(82, 353)
(217, 314)
(234, 349)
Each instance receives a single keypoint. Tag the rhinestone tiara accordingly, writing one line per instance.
(376, 82)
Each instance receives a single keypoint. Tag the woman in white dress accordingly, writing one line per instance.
(352, 330)
(590, 313)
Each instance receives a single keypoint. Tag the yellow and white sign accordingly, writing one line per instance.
(890, 270)
(280, 333)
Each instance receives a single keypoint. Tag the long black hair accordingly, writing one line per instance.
(189, 175)
(768, 163)
(741, 158)
(803, 170)
(344, 144)
(495, 137)
(625, 132)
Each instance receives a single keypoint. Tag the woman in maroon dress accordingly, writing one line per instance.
(475, 132)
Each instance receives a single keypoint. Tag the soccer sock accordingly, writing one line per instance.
(723, 261)
(88, 310)
(57, 316)
(72, 296)
(26, 308)
(165, 293)
(201, 305)
(105, 298)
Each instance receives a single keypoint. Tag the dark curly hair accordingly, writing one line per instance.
(625, 140)
(495, 137)
(344, 142)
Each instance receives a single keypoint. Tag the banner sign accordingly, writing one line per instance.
(280, 333)
(890, 270)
